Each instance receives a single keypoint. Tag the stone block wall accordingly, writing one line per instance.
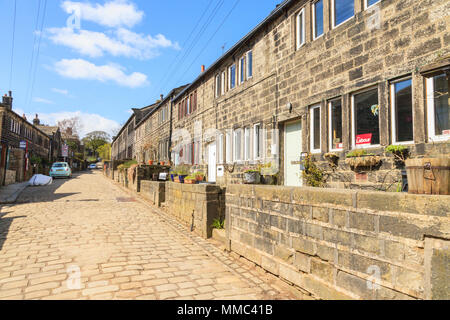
(195, 205)
(334, 243)
(154, 191)
(10, 177)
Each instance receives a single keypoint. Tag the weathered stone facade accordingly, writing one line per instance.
(154, 191)
(338, 244)
(286, 81)
(153, 134)
(15, 129)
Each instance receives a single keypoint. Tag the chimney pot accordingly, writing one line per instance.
(203, 68)
(162, 97)
(10, 93)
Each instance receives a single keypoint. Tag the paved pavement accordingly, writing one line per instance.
(86, 238)
(10, 193)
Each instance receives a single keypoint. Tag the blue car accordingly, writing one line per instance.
(61, 170)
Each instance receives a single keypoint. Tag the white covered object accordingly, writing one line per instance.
(40, 180)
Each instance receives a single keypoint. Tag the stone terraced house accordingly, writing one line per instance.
(20, 142)
(322, 77)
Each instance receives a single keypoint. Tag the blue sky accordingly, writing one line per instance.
(119, 58)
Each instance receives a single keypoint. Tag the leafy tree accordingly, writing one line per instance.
(104, 151)
(94, 140)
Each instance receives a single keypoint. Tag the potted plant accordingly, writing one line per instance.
(150, 162)
(183, 172)
(162, 163)
(199, 176)
(252, 176)
(400, 153)
(360, 158)
(173, 174)
(332, 158)
(190, 180)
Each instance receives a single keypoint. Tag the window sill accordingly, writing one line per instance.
(372, 5)
(439, 138)
(316, 38)
(343, 22)
(403, 143)
(372, 146)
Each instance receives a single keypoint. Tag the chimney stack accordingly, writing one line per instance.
(7, 101)
(162, 97)
(25, 117)
(203, 68)
(36, 121)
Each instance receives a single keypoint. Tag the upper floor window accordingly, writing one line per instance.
(300, 28)
(232, 77)
(368, 3)
(318, 19)
(315, 129)
(222, 80)
(241, 70)
(438, 108)
(218, 86)
(402, 111)
(342, 10)
(249, 64)
(335, 124)
(365, 119)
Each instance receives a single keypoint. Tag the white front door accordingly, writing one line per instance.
(292, 154)
(212, 162)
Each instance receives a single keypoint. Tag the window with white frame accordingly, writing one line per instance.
(220, 149)
(300, 28)
(247, 144)
(335, 124)
(365, 119)
(223, 78)
(438, 108)
(232, 76)
(228, 147)
(257, 141)
(249, 64)
(315, 143)
(402, 111)
(342, 10)
(368, 3)
(317, 19)
(237, 144)
(241, 70)
(218, 85)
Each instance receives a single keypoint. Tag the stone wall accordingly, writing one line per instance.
(195, 205)
(10, 177)
(154, 191)
(330, 243)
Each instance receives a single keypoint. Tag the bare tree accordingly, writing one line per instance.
(72, 123)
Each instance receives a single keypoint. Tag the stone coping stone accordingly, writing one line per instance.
(195, 188)
(431, 205)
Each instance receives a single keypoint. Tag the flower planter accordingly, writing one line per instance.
(150, 162)
(269, 179)
(363, 161)
(252, 177)
(181, 178)
(162, 163)
(172, 177)
(190, 181)
(428, 176)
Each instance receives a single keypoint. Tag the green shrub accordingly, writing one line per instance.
(218, 224)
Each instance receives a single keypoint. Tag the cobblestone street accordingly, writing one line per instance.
(121, 247)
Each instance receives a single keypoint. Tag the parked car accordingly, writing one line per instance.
(92, 166)
(61, 170)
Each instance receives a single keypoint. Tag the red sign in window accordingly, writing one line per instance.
(364, 139)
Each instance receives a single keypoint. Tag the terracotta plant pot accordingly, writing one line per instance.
(162, 163)
(150, 162)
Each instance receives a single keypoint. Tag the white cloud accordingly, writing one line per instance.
(122, 42)
(82, 69)
(61, 91)
(89, 122)
(115, 13)
(42, 100)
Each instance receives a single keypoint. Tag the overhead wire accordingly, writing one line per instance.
(33, 80)
(208, 42)
(12, 46)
